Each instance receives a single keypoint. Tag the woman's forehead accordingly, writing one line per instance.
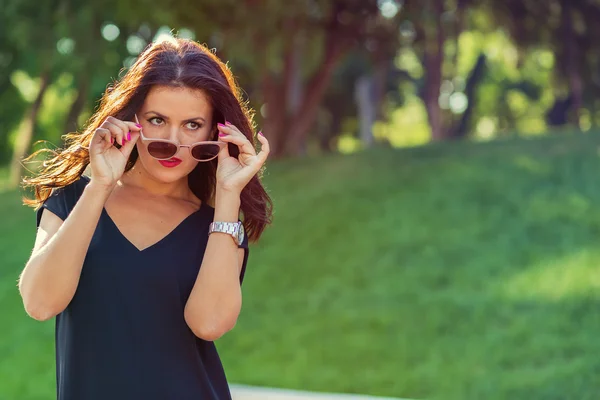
(178, 102)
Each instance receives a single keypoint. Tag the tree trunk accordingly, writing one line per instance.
(275, 118)
(434, 57)
(333, 129)
(558, 115)
(381, 76)
(304, 119)
(282, 94)
(571, 51)
(83, 88)
(293, 78)
(459, 27)
(366, 105)
(473, 81)
(26, 131)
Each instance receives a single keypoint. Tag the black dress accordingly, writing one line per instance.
(123, 335)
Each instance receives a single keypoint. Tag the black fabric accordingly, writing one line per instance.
(123, 336)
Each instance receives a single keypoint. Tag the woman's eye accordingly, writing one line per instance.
(193, 125)
(156, 121)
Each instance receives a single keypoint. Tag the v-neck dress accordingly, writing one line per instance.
(123, 335)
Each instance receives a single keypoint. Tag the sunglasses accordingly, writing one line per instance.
(163, 149)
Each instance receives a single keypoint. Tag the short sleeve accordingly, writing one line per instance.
(244, 245)
(62, 200)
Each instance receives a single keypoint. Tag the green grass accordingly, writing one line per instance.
(454, 271)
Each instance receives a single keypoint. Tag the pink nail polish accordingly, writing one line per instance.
(221, 125)
(228, 123)
(221, 134)
(261, 134)
(112, 140)
(128, 136)
(138, 125)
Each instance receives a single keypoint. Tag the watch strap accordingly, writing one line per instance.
(231, 228)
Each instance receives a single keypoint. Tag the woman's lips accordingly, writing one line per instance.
(170, 163)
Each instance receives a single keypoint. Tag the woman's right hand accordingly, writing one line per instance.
(107, 161)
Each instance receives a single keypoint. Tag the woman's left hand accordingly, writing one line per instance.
(233, 174)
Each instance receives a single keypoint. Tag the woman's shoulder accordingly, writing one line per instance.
(74, 188)
(63, 198)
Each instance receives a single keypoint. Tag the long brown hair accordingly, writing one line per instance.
(178, 63)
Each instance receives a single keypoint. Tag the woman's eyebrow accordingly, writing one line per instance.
(167, 118)
(195, 119)
(157, 114)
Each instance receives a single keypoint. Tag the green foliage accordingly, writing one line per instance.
(454, 271)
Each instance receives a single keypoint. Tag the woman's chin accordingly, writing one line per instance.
(167, 172)
(169, 175)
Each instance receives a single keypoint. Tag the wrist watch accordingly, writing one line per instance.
(235, 229)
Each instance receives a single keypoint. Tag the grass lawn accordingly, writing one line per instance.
(454, 271)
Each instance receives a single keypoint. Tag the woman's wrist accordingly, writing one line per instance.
(227, 206)
(98, 191)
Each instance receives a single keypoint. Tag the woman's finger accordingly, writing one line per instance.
(116, 131)
(123, 128)
(228, 134)
(264, 150)
(103, 135)
(121, 124)
(232, 126)
(242, 143)
(133, 126)
(127, 148)
(126, 127)
(231, 129)
(223, 153)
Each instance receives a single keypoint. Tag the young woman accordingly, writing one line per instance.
(142, 262)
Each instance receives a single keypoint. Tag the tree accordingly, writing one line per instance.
(39, 28)
(291, 56)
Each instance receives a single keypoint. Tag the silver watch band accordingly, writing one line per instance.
(231, 228)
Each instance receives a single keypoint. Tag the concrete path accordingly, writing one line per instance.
(241, 392)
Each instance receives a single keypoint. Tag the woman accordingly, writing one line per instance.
(140, 279)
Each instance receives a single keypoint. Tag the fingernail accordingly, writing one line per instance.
(228, 123)
(112, 140)
(221, 134)
(221, 125)
(128, 136)
(138, 125)
(261, 134)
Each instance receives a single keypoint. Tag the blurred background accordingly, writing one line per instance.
(434, 172)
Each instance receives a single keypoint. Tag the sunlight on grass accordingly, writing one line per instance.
(576, 275)
(531, 165)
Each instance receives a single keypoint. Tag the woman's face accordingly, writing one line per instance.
(181, 115)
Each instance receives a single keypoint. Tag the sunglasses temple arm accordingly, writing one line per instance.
(137, 121)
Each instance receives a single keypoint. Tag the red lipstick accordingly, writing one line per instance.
(170, 163)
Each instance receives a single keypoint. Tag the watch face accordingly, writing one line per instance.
(241, 234)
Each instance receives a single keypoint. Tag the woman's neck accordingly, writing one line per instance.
(137, 177)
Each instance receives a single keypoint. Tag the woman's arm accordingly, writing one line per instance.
(50, 278)
(216, 299)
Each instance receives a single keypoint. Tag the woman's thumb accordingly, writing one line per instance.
(224, 152)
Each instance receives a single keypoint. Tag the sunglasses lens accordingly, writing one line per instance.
(205, 152)
(162, 150)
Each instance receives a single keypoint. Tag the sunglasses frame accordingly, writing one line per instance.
(148, 141)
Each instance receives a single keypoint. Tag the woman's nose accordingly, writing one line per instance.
(175, 133)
